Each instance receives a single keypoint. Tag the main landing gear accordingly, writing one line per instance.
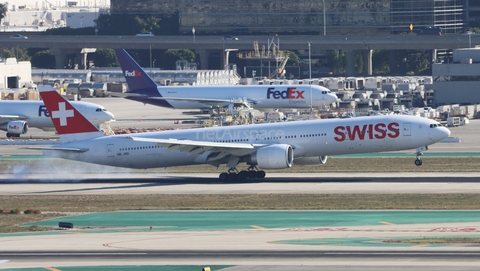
(418, 161)
(9, 135)
(234, 175)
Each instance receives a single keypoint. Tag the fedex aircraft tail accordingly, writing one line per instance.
(70, 124)
(137, 79)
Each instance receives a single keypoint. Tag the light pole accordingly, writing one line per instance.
(150, 60)
(96, 18)
(310, 76)
(309, 62)
(223, 54)
(324, 20)
(193, 32)
(469, 39)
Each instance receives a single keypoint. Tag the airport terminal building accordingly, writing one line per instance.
(303, 16)
(457, 82)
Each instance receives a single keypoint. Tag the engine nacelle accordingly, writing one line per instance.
(311, 161)
(17, 127)
(273, 157)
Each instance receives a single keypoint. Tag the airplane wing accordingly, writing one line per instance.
(12, 117)
(199, 100)
(198, 147)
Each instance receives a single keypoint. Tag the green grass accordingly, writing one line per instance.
(9, 222)
(56, 205)
(431, 241)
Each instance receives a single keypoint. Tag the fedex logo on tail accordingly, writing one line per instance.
(133, 73)
(367, 131)
(290, 93)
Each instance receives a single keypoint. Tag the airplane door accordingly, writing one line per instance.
(406, 129)
(110, 150)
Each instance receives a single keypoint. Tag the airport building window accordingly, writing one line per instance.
(306, 16)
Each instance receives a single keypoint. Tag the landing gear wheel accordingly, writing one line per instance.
(251, 174)
(260, 174)
(241, 176)
(418, 162)
(223, 176)
(9, 135)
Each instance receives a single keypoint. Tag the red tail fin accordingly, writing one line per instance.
(65, 117)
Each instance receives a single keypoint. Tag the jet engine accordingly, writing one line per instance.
(311, 161)
(17, 127)
(273, 156)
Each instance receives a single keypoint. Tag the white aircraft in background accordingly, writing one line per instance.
(143, 89)
(17, 116)
(268, 146)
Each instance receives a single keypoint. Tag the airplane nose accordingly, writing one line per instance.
(446, 131)
(109, 117)
(333, 98)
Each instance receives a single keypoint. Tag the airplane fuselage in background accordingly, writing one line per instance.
(36, 114)
(262, 96)
(315, 138)
(142, 88)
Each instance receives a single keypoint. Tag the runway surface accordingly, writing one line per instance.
(281, 183)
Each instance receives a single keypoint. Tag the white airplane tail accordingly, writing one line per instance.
(70, 124)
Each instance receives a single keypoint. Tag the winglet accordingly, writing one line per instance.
(67, 120)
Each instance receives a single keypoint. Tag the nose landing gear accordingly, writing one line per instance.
(418, 161)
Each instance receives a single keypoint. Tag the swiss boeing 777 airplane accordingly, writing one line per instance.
(143, 89)
(17, 116)
(268, 146)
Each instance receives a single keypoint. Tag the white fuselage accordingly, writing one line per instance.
(262, 96)
(36, 114)
(308, 139)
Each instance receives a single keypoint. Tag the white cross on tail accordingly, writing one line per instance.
(62, 114)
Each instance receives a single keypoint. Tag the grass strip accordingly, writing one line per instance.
(432, 241)
(57, 205)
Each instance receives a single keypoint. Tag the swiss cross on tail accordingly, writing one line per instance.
(65, 117)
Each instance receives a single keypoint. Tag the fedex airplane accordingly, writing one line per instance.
(268, 146)
(143, 89)
(17, 116)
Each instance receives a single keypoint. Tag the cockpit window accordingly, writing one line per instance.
(100, 109)
(435, 125)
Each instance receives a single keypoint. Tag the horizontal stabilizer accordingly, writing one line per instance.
(127, 94)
